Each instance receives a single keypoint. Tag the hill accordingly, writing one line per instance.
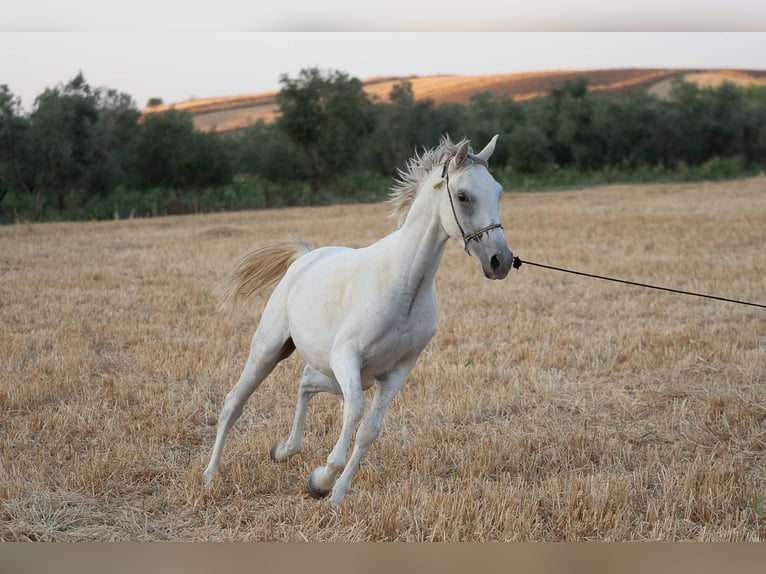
(231, 113)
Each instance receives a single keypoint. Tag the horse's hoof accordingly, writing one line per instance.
(313, 490)
(273, 453)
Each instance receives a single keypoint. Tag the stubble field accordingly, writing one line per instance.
(547, 407)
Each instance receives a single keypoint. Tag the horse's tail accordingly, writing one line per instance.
(259, 268)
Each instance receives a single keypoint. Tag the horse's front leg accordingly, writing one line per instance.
(313, 382)
(386, 390)
(347, 370)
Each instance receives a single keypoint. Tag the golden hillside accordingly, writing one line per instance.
(230, 113)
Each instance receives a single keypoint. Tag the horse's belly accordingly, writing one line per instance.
(378, 355)
(314, 340)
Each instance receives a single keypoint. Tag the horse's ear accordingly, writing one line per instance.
(462, 154)
(488, 150)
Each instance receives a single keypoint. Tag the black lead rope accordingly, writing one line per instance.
(517, 263)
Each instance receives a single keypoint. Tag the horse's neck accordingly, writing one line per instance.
(420, 244)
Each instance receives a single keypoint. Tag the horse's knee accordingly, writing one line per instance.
(354, 405)
(368, 432)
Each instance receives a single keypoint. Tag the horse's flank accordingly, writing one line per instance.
(258, 269)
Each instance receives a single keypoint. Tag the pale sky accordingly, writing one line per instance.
(179, 65)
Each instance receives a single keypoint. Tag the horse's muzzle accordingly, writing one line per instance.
(498, 264)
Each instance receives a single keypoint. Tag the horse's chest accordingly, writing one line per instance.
(404, 336)
(401, 335)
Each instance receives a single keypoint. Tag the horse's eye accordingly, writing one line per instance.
(462, 197)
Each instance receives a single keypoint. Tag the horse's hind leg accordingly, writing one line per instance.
(265, 352)
(313, 382)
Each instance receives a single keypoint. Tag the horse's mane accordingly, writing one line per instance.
(419, 167)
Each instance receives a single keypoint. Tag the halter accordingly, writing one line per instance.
(478, 233)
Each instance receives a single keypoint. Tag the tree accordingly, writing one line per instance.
(566, 120)
(60, 142)
(326, 115)
(754, 131)
(625, 130)
(265, 150)
(726, 123)
(688, 111)
(529, 149)
(171, 153)
(399, 130)
(490, 114)
(114, 139)
(13, 131)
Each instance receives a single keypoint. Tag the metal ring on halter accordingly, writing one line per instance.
(476, 234)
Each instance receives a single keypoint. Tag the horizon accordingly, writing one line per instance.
(383, 79)
(195, 66)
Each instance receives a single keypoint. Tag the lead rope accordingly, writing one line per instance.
(517, 263)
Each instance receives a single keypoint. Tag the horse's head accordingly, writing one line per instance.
(470, 209)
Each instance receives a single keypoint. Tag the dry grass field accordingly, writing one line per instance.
(230, 113)
(547, 407)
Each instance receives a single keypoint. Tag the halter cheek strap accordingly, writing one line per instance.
(475, 234)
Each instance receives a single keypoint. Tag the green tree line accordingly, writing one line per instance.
(87, 153)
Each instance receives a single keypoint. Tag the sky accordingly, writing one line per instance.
(191, 64)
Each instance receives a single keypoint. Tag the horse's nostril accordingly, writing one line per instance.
(494, 263)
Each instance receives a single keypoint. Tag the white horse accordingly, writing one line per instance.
(362, 316)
